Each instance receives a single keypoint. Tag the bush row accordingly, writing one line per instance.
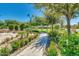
(15, 45)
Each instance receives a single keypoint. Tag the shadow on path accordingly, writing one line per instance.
(42, 42)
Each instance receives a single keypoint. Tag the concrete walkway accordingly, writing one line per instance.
(37, 48)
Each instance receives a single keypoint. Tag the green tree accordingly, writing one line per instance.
(78, 25)
(11, 27)
(2, 24)
(16, 27)
(68, 10)
(22, 26)
(11, 23)
(50, 14)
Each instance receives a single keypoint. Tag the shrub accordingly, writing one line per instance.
(15, 45)
(22, 26)
(55, 36)
(69, 46)
(11, 27)
(32, 36)
(56, 26)
(52, 52)
(18, 44)
(5, 51)
(16, 27)
(22, 33)
(23, 42)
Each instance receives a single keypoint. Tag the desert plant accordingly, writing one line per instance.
(15, 45)
(32, 36)
(23, 42)
(52, 52)
(5, 51)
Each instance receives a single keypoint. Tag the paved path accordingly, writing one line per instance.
(37, 47)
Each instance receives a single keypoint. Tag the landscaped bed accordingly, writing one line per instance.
(17, 44)
(64, 45)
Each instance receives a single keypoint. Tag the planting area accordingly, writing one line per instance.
(63, 45)
(39, 29)
(6, 36)
(11, 42)
(37, 48)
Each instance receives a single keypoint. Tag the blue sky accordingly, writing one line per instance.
(75, 21)
(19, 11)
(72, 21)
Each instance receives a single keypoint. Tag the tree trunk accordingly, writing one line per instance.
(52, 26)
(68, 16)
(68, 26)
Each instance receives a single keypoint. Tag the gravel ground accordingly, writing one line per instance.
(3, 36)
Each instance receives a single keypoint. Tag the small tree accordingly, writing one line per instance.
(11, 27)
(16, 27)
(22, 26)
